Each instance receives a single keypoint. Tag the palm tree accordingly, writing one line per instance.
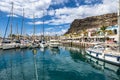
(103, 30)
(84, 32)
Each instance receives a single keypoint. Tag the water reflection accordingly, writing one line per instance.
(107, 68)
(76, 54)
(65, 63)
(21, 64)
(34, 51)
(54, 51)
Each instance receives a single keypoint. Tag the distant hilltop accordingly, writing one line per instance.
(92, 22)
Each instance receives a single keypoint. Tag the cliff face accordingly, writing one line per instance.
(92, 22)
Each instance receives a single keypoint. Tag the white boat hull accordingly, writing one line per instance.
(106, 57)
(23, 46)
(8, 46)
(0, 46)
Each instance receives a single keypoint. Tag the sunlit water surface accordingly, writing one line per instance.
(65, 63)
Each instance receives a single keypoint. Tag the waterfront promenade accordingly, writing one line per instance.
(113, 48)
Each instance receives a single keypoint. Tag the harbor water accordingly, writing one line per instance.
(63, 63)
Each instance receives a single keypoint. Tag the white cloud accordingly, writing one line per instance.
(59, 16)
(37, 23)
(30, 7)
(12, 15)
(56, 2)
(67, 15)
(60, 32)
(89, 1)
(53, 33)
(51, 12)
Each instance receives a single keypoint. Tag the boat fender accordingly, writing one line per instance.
(118, 58)
(90, 52)
(97, 55)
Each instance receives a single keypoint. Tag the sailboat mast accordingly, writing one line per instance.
(0, 18)
(17, 31)
(34, 26)
(0, 13)
(17, 28)
(119, 25)
(43, 24)
(11, 22)
(22, 23)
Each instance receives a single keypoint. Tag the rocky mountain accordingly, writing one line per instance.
(92, 22)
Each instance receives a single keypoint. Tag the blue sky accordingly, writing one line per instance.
(58, 14)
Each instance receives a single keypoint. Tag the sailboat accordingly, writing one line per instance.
(22, 40)
(0, 33)
(9, 44)
(43, 43)
(17, 41)
(34, 44)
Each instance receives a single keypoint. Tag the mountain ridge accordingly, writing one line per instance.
(92, 22)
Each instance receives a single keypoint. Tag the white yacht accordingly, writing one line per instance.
(23, 44)
(54, 43)
(104, 53)
(7, 44)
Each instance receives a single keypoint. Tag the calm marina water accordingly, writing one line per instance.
(65, 63)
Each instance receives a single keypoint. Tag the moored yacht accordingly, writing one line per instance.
(7, 44)
(23, 44)
(104, 53)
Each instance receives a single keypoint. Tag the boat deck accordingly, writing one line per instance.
(112, 52)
